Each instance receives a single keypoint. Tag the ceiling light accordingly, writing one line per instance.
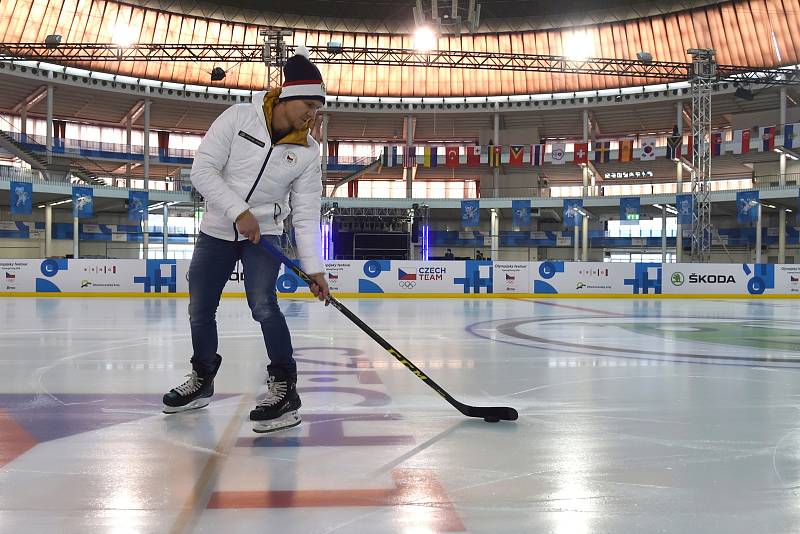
(217, 74)
(123, 35)
(579, 46)
(52, 41)
(58, 203)
(424, 39)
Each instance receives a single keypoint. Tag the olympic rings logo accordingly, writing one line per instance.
(406, 284)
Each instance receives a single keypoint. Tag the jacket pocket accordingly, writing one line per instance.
(273, 212)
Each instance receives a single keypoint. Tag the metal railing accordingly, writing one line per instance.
(11, 173)
(762, 183)
(77, 146)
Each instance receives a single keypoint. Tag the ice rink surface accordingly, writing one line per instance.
(636, 416)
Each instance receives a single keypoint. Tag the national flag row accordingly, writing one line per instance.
(762, 139)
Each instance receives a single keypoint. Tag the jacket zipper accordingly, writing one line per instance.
(252, 189)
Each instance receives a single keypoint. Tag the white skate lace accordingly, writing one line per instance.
(276, 391)
(191, 385)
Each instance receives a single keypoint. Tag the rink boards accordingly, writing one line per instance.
(365, 278)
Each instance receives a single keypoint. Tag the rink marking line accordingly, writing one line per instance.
(578, 308)
(416, 450)
(37, 376)
(508, 328)
(412, 487)
(201, 492)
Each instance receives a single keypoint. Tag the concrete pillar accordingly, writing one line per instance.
(585, 238)
(495, 229)
(664, 234)
(575, 240)
(324, 142)
(679, 176)
(782, 218)
(782, 182)
(49, 123)
(129, 135)
(75, 238)
(165, 245)
(410, 241)
(23, 120)
(48, 230)
(409, 142)
(758, 235)
(145, 225)
(496, 170)
(585, 170)
(585, 140)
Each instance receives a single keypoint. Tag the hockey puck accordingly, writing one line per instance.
(491, 419)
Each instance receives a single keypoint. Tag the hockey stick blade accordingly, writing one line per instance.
(488, 413)
(501, 413)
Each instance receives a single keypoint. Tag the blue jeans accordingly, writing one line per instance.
(213, 262)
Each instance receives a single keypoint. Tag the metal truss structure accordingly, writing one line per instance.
(396, 213)
(704, 73)
(273, 53)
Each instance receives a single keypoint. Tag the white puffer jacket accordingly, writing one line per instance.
(238, 168)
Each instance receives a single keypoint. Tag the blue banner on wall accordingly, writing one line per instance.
(685, 206)
(82, 202)
(137, 205)
(21, 198)
(521, 210)
(572, 212)
(629, 210)
(747, 207)
(470, 213)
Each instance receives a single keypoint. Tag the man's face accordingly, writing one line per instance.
(301, 113)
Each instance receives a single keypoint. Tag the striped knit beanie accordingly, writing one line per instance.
(301, 78)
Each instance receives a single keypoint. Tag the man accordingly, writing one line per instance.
(449, 255)
(255, 165)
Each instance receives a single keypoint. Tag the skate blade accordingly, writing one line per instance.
(287, 420)
(194, 405)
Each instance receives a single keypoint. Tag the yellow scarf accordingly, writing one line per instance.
(295, 137)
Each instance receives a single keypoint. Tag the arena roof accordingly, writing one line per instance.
(390, 16)
(753, 33)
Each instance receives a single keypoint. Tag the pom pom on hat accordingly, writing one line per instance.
(302, 79)
(302, 51)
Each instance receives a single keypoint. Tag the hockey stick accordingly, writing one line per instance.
(490, 414)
